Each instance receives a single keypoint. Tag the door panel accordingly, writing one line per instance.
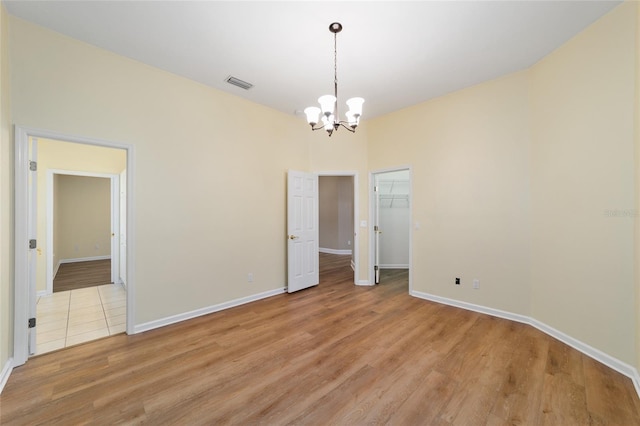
(302, 230)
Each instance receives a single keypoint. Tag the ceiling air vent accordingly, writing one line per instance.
(237, 82)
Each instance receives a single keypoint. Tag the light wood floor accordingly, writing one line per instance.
(76, 275)
(333, 354)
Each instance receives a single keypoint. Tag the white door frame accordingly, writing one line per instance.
(371, 216)
(356, 215)
(114, 180)
(20, 287)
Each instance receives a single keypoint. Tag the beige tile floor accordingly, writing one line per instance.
(70, 317)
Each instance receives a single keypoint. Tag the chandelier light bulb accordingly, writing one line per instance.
(312, 114)
(352, 120)
(355, 106)
(327, 104)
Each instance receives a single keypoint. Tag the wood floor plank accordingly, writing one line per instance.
(520, 394)
(608, 396)
(332, 354)
(76, 275)
(563, 402)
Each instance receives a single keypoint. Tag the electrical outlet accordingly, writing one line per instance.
(250, 277)
(457, 281)
(476, 283)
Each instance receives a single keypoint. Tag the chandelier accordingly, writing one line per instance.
(329, 120)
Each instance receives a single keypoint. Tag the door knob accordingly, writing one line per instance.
(293, 237)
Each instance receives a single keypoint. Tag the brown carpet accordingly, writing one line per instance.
(72, 276)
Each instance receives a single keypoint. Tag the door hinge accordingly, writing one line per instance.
(32, 322)
(375, 268)
(32, 244)
(33, 166)
(375, 189)
(375, 228)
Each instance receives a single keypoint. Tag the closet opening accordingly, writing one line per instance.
(390, 235)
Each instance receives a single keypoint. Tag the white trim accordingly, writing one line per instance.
(356, 218)
(21, 290)
(6, 372)
(364, 282)
(205, 311)
(636, 381)
(334, 251)
(85, 259)
(590, 351)
(394, 266)
(21, 281)
(353, 265)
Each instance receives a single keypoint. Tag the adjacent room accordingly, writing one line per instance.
(321, 212)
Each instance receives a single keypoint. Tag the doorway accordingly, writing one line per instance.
(33, 243)
(82, 228)
(390, 198)
(337, 206)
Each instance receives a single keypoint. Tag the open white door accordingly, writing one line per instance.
(302, 230)
(376, 231)
(32, 232)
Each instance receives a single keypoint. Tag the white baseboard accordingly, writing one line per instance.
(334, 251)
(590, 351)
(364, 282)
(394, 266)
(84, 259)
(636, 382)
(6, 372)
(204, 311)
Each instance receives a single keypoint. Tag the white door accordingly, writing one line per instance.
(33, 234)
(302, 230)
(376, 231)
(123, 228)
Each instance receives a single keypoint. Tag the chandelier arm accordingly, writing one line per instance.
(344, 124)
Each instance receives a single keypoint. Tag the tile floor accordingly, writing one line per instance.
(70, 317)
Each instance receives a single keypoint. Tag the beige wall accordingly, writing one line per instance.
(469, 153)
(209, 174)
(637, 187)
(67, 156)
(583, 194)
(84, 207)
(336, 212)
(6, 199)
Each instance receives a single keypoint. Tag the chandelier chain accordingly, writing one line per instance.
(335, 70)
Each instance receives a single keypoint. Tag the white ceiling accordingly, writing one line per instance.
(392, 53)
